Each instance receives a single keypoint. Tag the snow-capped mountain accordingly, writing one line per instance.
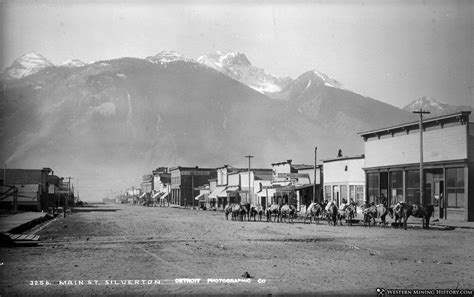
(328, 81)
(431, 105)
(237, 66)
(167, 57)
(73, 63)
(27, 65)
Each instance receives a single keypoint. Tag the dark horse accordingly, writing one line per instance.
(404, 210)
(228, 210)
(256, 210)
(332, 213)
(245, 211)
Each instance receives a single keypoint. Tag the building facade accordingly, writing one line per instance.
(392, 164)
(344, 179)
(185, 180)
(294, 184)
(29, 187)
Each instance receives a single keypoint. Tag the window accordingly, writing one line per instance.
(413, 186)
(343, 191)
(359, 195)
(455, 187)
(373, 186)
(396, 187)
(327, 193)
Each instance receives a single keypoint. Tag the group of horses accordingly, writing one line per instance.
(245, 211)
(331, 213)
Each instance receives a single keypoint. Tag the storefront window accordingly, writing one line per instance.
(343, 190)
(359, 195)
(373, 186)
(327, 193)
(412, 186)
(396, 187)
(455, 187)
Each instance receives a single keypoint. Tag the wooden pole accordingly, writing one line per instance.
(422, 185)
(314, 179)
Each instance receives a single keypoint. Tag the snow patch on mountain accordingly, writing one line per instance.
(429, 104)
(237, 66)
(73, 63)
(27, 65)
(167, 57)
(328, 81)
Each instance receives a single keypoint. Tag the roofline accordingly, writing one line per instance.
(462, 113)
(190, 167)
(344, 158)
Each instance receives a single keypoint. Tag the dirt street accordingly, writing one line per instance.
(149, 251)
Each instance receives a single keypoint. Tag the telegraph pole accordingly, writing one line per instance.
(422, 184)
(315, 164)
(249, 157)
(68, 194)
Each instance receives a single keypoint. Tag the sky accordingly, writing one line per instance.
(392, 51)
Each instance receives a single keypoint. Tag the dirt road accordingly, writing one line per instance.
(146, 251)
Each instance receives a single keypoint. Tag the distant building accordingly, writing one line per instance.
(161, 186)
(344, 179)
(30, 186)
(185, 180)
(293, 184)
(232, 185)
(392, 158)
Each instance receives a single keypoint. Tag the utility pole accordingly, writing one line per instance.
(192, 187)
(315, 166)
(249, 157)
(68, 194)
(422, 184)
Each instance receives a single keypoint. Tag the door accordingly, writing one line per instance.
(439, 199)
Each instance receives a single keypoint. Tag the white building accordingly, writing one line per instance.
(344, 179)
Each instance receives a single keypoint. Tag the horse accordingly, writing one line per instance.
(313, 210)
(245, 211)
(235, 211)
(256, 210)
(332, 213)
(273, 210)
(228, 210)
(347, 213)
(288, 212)
(404, 210)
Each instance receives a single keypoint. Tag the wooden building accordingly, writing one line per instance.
(185, 180)
(344, 179)
(392, 159)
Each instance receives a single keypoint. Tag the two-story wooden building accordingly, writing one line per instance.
(392, 159)
(185, 181)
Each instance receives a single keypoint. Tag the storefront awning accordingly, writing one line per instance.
(164, 196)
(157, 194)
(199, 197)
(300, 187)
(264, 192)
(142, 195)
(231, 189)
(217, 191)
